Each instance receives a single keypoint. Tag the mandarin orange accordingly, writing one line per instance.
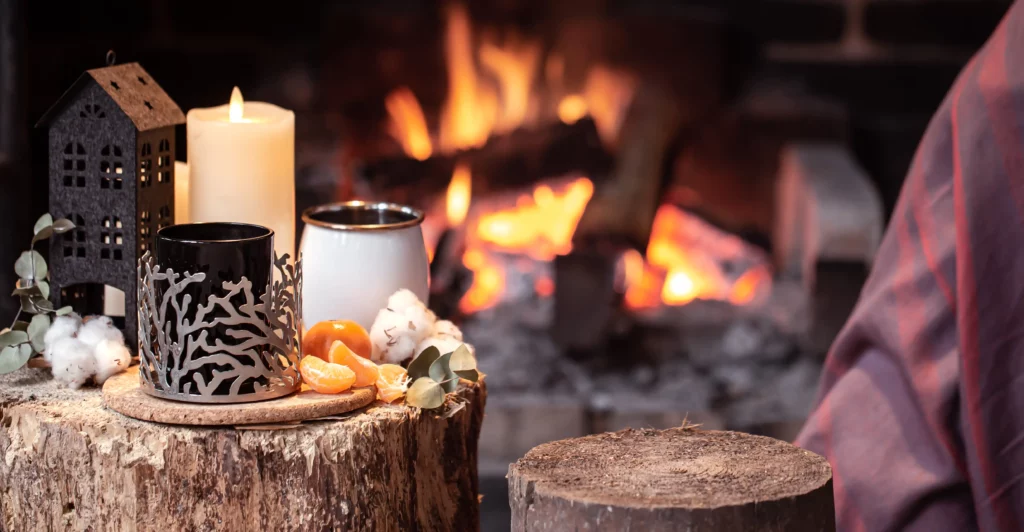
(319, 339)
(392, 382)
(324, 377)
(366, 371)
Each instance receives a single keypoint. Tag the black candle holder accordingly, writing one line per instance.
(223, 330)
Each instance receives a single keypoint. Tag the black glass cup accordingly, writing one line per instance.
(229, 269)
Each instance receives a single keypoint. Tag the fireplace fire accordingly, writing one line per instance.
(495, 87)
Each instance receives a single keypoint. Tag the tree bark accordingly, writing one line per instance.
(676, 479)
(68, 463)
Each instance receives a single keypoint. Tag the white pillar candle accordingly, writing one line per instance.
(180, 192)
(241, 166)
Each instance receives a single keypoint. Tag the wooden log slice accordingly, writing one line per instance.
(69, 463)
(676, 479)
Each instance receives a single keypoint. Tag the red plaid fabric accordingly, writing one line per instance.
(921, 409)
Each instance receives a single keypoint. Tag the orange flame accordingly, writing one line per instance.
(459, 192)
(505, 98)
(572, 108)
(471, 108)
(407, 124)
(514, 66)
(608, 94)
(540, 226)
(680, 268)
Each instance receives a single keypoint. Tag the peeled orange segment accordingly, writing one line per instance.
(319, 339)
(392, 383)
(324, 377)
(366, 371)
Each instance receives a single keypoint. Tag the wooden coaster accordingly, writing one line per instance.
(123, 394)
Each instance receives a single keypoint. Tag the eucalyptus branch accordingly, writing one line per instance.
(23, 339)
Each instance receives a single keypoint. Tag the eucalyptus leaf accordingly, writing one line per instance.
(20, 325)
(420, 366)
(13, 357)
(41, 303)
(43, 234)
(44, 289)
(13, 337)
(441, 372)
(23, 266)
(33, 290)
(463, 359)
(43, 222)
(471, 375)
(62, 225)
(37, 330)
(64, 311)
(425, 393)
(27, 305)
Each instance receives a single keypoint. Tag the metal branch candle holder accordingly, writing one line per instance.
(225, 329)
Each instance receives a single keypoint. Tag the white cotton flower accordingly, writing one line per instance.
(421, 323)
(444, 344)
(72, 362)
(392, 337)
(99, 328)
(447, 329)
(404, 299)
(111, 358)
(61, 328)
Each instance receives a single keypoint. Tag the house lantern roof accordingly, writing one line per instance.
(133, 90)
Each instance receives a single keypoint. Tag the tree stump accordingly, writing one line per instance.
(676, 479)
(69, 463)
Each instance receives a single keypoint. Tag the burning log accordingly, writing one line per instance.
(623, 208)
(506, 162)
(585, 299)
(674, 479)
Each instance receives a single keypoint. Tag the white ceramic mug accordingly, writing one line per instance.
(355, 255)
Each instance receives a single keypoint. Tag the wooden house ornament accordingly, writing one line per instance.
(111, 172)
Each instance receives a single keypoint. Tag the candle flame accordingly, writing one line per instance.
(237, 106)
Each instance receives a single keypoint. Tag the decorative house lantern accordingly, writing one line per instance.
(111, 172)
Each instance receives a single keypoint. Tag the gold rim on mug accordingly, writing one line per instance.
(362, 216)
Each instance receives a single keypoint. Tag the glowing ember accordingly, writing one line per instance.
(685, 258)
(745, 290)
(459, 192)
(572, 108)
(407, 124)
(680, 288)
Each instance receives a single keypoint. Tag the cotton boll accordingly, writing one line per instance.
(72, 362)
(444, 344)
(111, 358)
(392, 337)
(61, 328)
(99, 328)
(447, 329)
(421, 323)
(404, 299)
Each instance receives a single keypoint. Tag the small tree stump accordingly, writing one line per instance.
(69, 463)
(676, 479)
